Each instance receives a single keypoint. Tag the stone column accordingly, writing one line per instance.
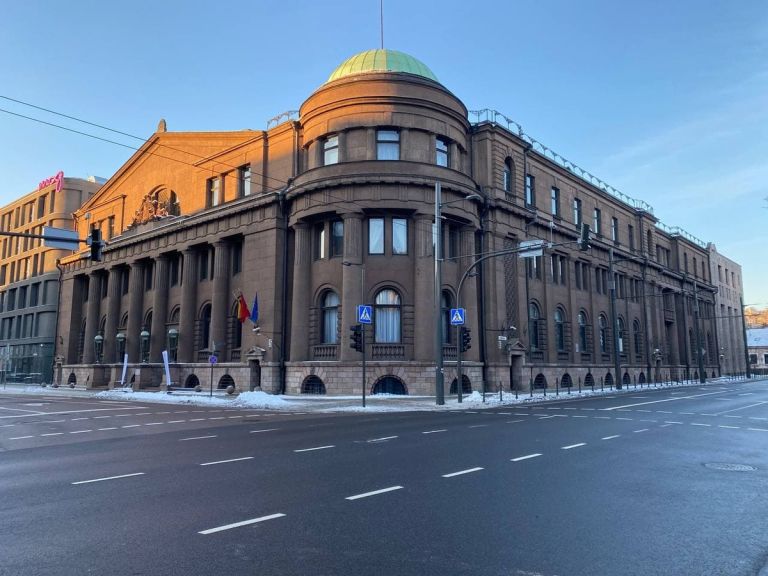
(159, 310)
(351, 286)
(302, 261)
(135, 311)
(113, 315)
(220, 300)
(188, 310)
(423, 290)
(92, 317)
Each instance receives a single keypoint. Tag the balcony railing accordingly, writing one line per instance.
(449, 352)
(387, 351)
(325, 352)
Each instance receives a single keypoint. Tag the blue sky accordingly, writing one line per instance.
(666, 101)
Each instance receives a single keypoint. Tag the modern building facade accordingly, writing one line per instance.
(334, 208)
(29, 278)
(757, 340)
(729, 300)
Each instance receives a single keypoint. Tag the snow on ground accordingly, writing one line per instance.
(377, 403)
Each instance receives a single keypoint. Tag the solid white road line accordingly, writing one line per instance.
(573, 446)
(610, 437)
(315, 448)
(519, 458)
(742, 408)
(238, 524)
(227, 461)
(108, 478)
(434, 431)
(467, 471)
(374, 493)
(658, 401)
(267, 430)
(197, 438)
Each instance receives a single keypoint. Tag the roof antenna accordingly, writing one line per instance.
(381, 20)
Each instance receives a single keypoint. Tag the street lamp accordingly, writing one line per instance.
(144, 341)
(98, 347)
(362, 326)
(173, 343)
(438, 238)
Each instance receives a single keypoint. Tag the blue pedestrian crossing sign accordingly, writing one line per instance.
(457, 316)
(364, 314)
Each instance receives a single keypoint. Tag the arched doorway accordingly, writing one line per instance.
(390, 385)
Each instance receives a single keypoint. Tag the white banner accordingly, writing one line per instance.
(125, 369)
(167, 369)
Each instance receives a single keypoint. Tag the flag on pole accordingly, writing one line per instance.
(255, 309)
(242, 309)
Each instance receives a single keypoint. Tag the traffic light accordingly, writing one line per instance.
(466, 338)
(584, 238)
(96, 245)
(356, 337)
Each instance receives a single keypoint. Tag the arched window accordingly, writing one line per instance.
(226, 381)
(312, 385)
(534, 317)
(445, 316)
(566, 381)
(205, 327)
(583, 343)
(603, 326)
(620, 335)
(390, 385)
(387, 316)
(508, 175)
(637, 336)
(560, 329)
(540, 381)
(330, 313)
(466, 385)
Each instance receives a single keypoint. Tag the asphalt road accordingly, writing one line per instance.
(668, 481)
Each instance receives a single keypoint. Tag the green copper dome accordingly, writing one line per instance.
(381, 61)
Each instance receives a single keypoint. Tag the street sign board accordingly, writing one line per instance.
(60, 238)
(364, 314)
(531, 248)
(213, 359)
(457, 316)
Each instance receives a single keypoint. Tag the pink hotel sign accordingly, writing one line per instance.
(58, 179)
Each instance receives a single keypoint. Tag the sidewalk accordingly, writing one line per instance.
(324, 404)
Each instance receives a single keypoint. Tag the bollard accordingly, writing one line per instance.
(557, 386)
(531, 385)
(501, 399)
(602, 387)
(579, 384)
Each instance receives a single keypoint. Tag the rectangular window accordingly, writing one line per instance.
(124, 281)
(319, 240)
(753, 358)
(244, 181)
(376, 236)
(615, 230)
(110, 227)
(577, 219)
(533, 267)
(149, 276)
(331, 150)
(22, 297)
(41, 206)
(52, 202)
(173, 271)
(685, 262)
(530, 190)
(441, 152)
(555, 198)
(399, 236)
(213, 192)
(765, 358)
(719, 273)
(387, 145)
(337, 238)
(202, 265)
(3, 272)
(597, 222)
(237, 258)
(577, 274)
(703, 271)
(695, 271)
(631, 236)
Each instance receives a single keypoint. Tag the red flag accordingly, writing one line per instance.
(242, 309)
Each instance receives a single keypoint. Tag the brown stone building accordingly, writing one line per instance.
(335, 208)
(29, 279)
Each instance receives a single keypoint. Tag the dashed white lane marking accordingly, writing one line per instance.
(526, 457)
(315, 448)
(231, 417)
(664, 412)
(98, 417)
(699, 424)
(196, 419)
(623, 418)
(80, 431)
(153, 423)
(757, 418)
(265, 430)
(460, 472)
(197, 438)
(688, 413)
(53, 434)
(664, 425)
(435, 431)
(374, 493)
(758, 429)
(384, 439)
(545, 417)
(730, 427)
(505, 413)
(131, 426)
(569, 447)
(521, 414)
(239, 524)
(20, 437)
(108, 478)
(76, 419)
(570, 408)
(579, 416)
(217, 418)
(514, 421)
(479, 426)
(110, 428)
(175, 421)
(11, 425)
(745, 394)
(227, 461)
(601, 417)
(162, 412)
(671, 422)
(641, 430)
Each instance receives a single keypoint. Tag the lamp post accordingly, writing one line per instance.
(362, 326)
(98, 347)
(438, 251)
(144, 341)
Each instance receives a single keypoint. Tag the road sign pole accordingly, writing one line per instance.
(362, 326)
